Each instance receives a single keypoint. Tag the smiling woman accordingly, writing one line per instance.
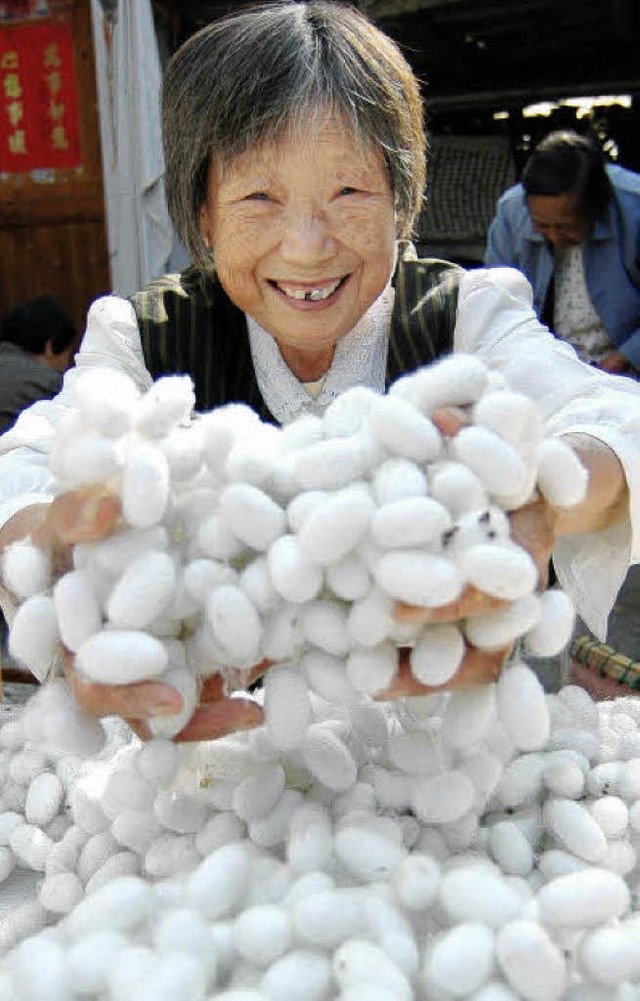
(295, 166)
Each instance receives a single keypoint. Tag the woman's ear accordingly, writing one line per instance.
(205, 227)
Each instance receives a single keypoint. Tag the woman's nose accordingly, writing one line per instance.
(306, 237)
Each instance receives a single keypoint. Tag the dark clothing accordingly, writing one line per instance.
(23, 381)
(188, 324)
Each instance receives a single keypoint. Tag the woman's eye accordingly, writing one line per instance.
(257, 196)
(347, 190)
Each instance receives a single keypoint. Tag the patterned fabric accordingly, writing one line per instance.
(606, 661)
(188, 324)
(575, 318)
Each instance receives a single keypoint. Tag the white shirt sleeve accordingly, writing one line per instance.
(495, 321)
(112, 339)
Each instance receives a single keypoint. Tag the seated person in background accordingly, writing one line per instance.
(37, 344)
(573, 227)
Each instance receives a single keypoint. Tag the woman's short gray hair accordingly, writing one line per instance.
(247, 78)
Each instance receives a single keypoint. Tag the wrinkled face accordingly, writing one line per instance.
(555, 217)
(303, 233)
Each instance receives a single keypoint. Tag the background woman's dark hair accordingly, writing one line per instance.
(32, 324)
(249, 77)
(567, 161)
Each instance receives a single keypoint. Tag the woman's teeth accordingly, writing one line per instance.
(309, 295)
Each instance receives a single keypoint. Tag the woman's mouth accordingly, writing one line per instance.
(309, 293)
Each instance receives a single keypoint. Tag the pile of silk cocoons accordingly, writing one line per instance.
(475, 844)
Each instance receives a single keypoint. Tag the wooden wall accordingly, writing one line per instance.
(52, 224)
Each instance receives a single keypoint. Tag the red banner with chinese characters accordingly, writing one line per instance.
(38, 99)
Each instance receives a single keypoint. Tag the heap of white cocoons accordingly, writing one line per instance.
(477, 844)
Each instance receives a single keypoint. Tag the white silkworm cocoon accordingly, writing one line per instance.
(166, 404)
(7, 862)
(116, 552)
(262, 933)
(301, 974)
(330, 464)
(235, 623)
(26, 765)
(328, 917)
(367, 992)
(255, 581)
(324, 625)
(440, 799)
(414, 752)
(88, 458)
(170, 854)
(348, 412)
(143, 592)
(585, 899)
(327, 677)
(38, 968)
(409, 522)
(26, 569)
(371, 671)
(184, 930)
(179, 811)
(186, 684)
(157, 761)
(182, 449)
(106, 399)
(456, 487)
(295, 577)
(95, 853)
(328, 758)
(202, 575)
(135, 829)
(370, 619)
(438, 654)
(251, 515)
(504, 571)
(521, 780)
(498, 466)
(563, 776)
(302, 505)
(177, 975)
(489, 524)
(403, 430)
(119, 657)
(609, 956)
(576, 829)
(214, 539)
(221, 427)
(220, 882)
(22, 920)
(30, 845)
(513, 416)
(258, 793)
(532, 964)
(468, 715)
(561, 476)
(456, 379)
(484, 769)
(272, 830)
(90, 960)
(522, 707)
(34, 635)
(555, 626)
(367, 854)
(282, 637)
(357, 961)
(221, 829)
(133, 970)
(477, 892)
(43, 799)
(460, 960)
(510, 848)
(144, 488)
(349, 579)
(310, 841)
(555, 862)
(498, 629)
(77, 609)
(335, 527)
(611, 814)
(125, 789)
(395, 479)
(254, 460)
(419, 578)
(415, 880)
(288, 713)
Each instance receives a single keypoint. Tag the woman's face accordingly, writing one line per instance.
(303, 234)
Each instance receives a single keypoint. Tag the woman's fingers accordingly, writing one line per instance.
(479, 667)
(134, 702)
(84, 515)
(217, 719)
(471, 602)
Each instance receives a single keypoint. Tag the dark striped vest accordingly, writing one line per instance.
(189, 325)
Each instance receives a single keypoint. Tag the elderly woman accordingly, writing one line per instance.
(294, 153)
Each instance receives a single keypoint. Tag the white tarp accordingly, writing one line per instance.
(128, 71)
